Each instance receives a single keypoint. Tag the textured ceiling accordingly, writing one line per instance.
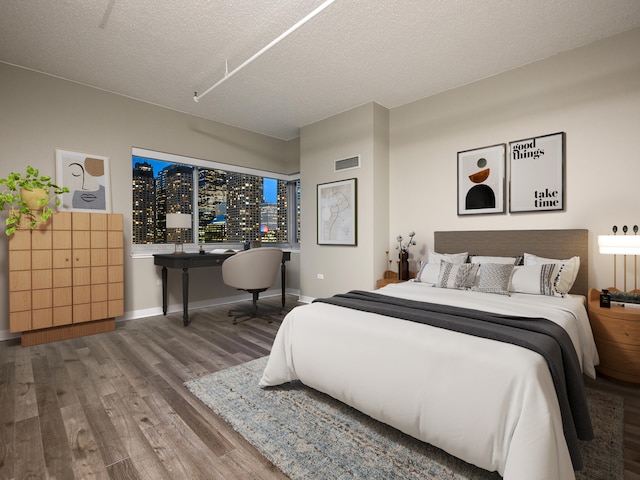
(353, 52)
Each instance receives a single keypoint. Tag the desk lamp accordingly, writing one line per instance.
(179, 221)
(621, 245)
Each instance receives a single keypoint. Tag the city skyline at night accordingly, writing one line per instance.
(228, 206)
(270, 184)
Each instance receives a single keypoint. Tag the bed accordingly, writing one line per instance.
(491, 403)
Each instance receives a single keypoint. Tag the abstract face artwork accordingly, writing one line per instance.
(87, 178)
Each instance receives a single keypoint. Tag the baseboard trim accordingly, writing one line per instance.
(151, 312)
(66, 332)
(177, 307)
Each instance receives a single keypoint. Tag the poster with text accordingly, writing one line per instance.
(537, 173)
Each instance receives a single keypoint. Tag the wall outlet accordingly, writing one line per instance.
(320, 276)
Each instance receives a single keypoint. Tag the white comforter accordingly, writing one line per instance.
(489, 403)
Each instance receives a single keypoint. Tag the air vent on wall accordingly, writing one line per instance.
(347, 163)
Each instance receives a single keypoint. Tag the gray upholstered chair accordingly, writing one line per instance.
(255, 271)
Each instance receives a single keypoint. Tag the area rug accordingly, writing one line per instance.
(309, 435)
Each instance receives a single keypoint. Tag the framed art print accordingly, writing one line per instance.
(87, 178)
(337, 213)
(481, 180)
(537, 173)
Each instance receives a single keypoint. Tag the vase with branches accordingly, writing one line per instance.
(403, 255)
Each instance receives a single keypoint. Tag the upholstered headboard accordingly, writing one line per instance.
(544, 243)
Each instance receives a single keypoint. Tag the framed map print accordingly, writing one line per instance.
(337, 213)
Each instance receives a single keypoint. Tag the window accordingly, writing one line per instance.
(229, 205)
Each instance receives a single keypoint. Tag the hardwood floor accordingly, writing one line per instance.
(113, 405)
(631, 394)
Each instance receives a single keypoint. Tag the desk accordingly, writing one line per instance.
(186, 261)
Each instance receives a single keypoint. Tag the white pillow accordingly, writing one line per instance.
(494, 278)
(534, 279)
(453, 275)
(430, 270)
(447, 257)
(428, 273)
(565, 277)
(484, 259)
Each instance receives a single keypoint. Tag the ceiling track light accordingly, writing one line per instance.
(228, 75)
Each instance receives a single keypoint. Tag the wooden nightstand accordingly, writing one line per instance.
(391, 277)
(616, 331)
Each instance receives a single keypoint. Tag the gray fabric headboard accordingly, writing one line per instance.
(544, 243)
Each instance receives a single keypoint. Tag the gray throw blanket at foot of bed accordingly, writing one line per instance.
(537, 334)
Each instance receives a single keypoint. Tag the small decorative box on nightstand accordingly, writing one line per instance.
(616, 331)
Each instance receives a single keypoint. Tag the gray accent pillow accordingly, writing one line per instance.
(494, 278)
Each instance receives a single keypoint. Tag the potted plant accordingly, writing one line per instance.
(27, 198)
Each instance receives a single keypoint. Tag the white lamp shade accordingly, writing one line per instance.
(619, 244)
(178, 220)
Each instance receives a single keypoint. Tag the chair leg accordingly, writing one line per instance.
(255, 303)
(254, 312)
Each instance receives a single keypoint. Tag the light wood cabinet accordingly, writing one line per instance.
(62, 313)
(66, 277)
(616, 331)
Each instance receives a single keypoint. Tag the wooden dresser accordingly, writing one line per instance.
(66, 277)
(616, 331)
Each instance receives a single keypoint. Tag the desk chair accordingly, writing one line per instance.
(254, 271)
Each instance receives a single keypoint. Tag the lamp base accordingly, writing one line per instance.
(180, 250)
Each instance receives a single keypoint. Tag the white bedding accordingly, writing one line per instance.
(489, 403)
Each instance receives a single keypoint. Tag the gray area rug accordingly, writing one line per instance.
(309, 435)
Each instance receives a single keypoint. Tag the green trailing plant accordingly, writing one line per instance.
(12, 201)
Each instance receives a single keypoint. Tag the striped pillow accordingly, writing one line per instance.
(565, 277)
(534, 279)
(453, 275)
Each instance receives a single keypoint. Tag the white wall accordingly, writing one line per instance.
(361, 131)
(592, 94)
(39, 113)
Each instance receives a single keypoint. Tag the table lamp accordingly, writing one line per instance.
(621, 245)
(179, 221)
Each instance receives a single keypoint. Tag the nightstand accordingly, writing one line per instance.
(391, 277)
(616, 331)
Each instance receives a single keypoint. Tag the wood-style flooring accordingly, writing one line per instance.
(113, 405)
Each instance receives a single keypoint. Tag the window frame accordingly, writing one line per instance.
(148, 249)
